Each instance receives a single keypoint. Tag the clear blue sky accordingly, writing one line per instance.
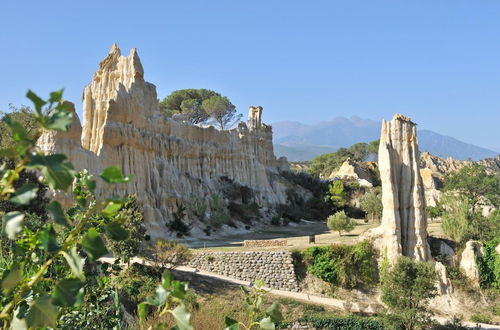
(436, 61)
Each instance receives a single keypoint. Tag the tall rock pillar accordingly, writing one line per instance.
(404, 223)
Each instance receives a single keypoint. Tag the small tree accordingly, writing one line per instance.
(340, 222)
(407, 288)
(221, 111)
(372, 205)
(433, 212)
(169, 254)
(337, 194)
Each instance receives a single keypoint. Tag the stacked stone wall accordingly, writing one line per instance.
(265, 243)
(275, 268)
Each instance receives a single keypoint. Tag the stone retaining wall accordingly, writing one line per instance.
(275, 268)
(265, 243)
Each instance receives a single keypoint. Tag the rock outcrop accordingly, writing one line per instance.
(468, 263)
(172, 161)
(360, 172)
(404, 224)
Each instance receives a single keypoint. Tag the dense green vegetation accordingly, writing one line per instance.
(344, 323)
(201, 106)
(465, 193)
(347, 266)
(407, 288)
(327, 163)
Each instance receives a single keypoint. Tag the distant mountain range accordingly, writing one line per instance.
(301, 142)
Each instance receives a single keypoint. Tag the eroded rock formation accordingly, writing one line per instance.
(360, 172)
(468, 261)
(171, 161)
(404, 224)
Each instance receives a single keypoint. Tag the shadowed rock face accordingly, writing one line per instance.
(404, 224)
(172, 161)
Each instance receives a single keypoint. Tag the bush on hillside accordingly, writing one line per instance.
(347, 266)
(489, 265)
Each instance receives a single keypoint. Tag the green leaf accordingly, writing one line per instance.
(142, 310)
(37, 101)
(11, 279)
(93, 245)
(56, 96)
(266, 324)
(166, 278)
(159, 298)
(48, 239)
(75, 262)
(59, 174)
(89, 183)
(67, 292)
(57, 212)
(259, 284)
(59, 120)
(231, 324)
(114, 175)
(13, 224)
(179, 290)
(116, 232)
(42, 313)
(25, 194)
(181, 316)
(274, 313)
(111, 209)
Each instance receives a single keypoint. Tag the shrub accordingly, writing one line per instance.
(371, 204)
(489, 265)
(481, 318)
(169, 254)
(340, 222)
(344, 322)
(198, 207)
(177, 224)
(135, 284)
(244, 212)
(100, 307)
(342, 265)
(407, 288)
(130, 217)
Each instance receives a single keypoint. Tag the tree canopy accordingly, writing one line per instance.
(475, 184)
(327, 163)
(201, 106)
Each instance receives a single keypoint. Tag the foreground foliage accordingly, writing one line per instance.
(42, 268)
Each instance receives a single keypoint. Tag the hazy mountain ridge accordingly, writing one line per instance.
(299, 142)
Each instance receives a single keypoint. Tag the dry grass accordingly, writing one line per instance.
(217, 299)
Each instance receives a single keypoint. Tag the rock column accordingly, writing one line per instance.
(404, 223)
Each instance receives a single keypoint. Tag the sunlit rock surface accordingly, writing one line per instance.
(171, 160)
(403, 228)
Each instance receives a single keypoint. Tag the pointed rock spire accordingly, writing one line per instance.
(404, 223)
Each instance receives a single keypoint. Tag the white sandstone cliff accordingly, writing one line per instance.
(172, 161)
